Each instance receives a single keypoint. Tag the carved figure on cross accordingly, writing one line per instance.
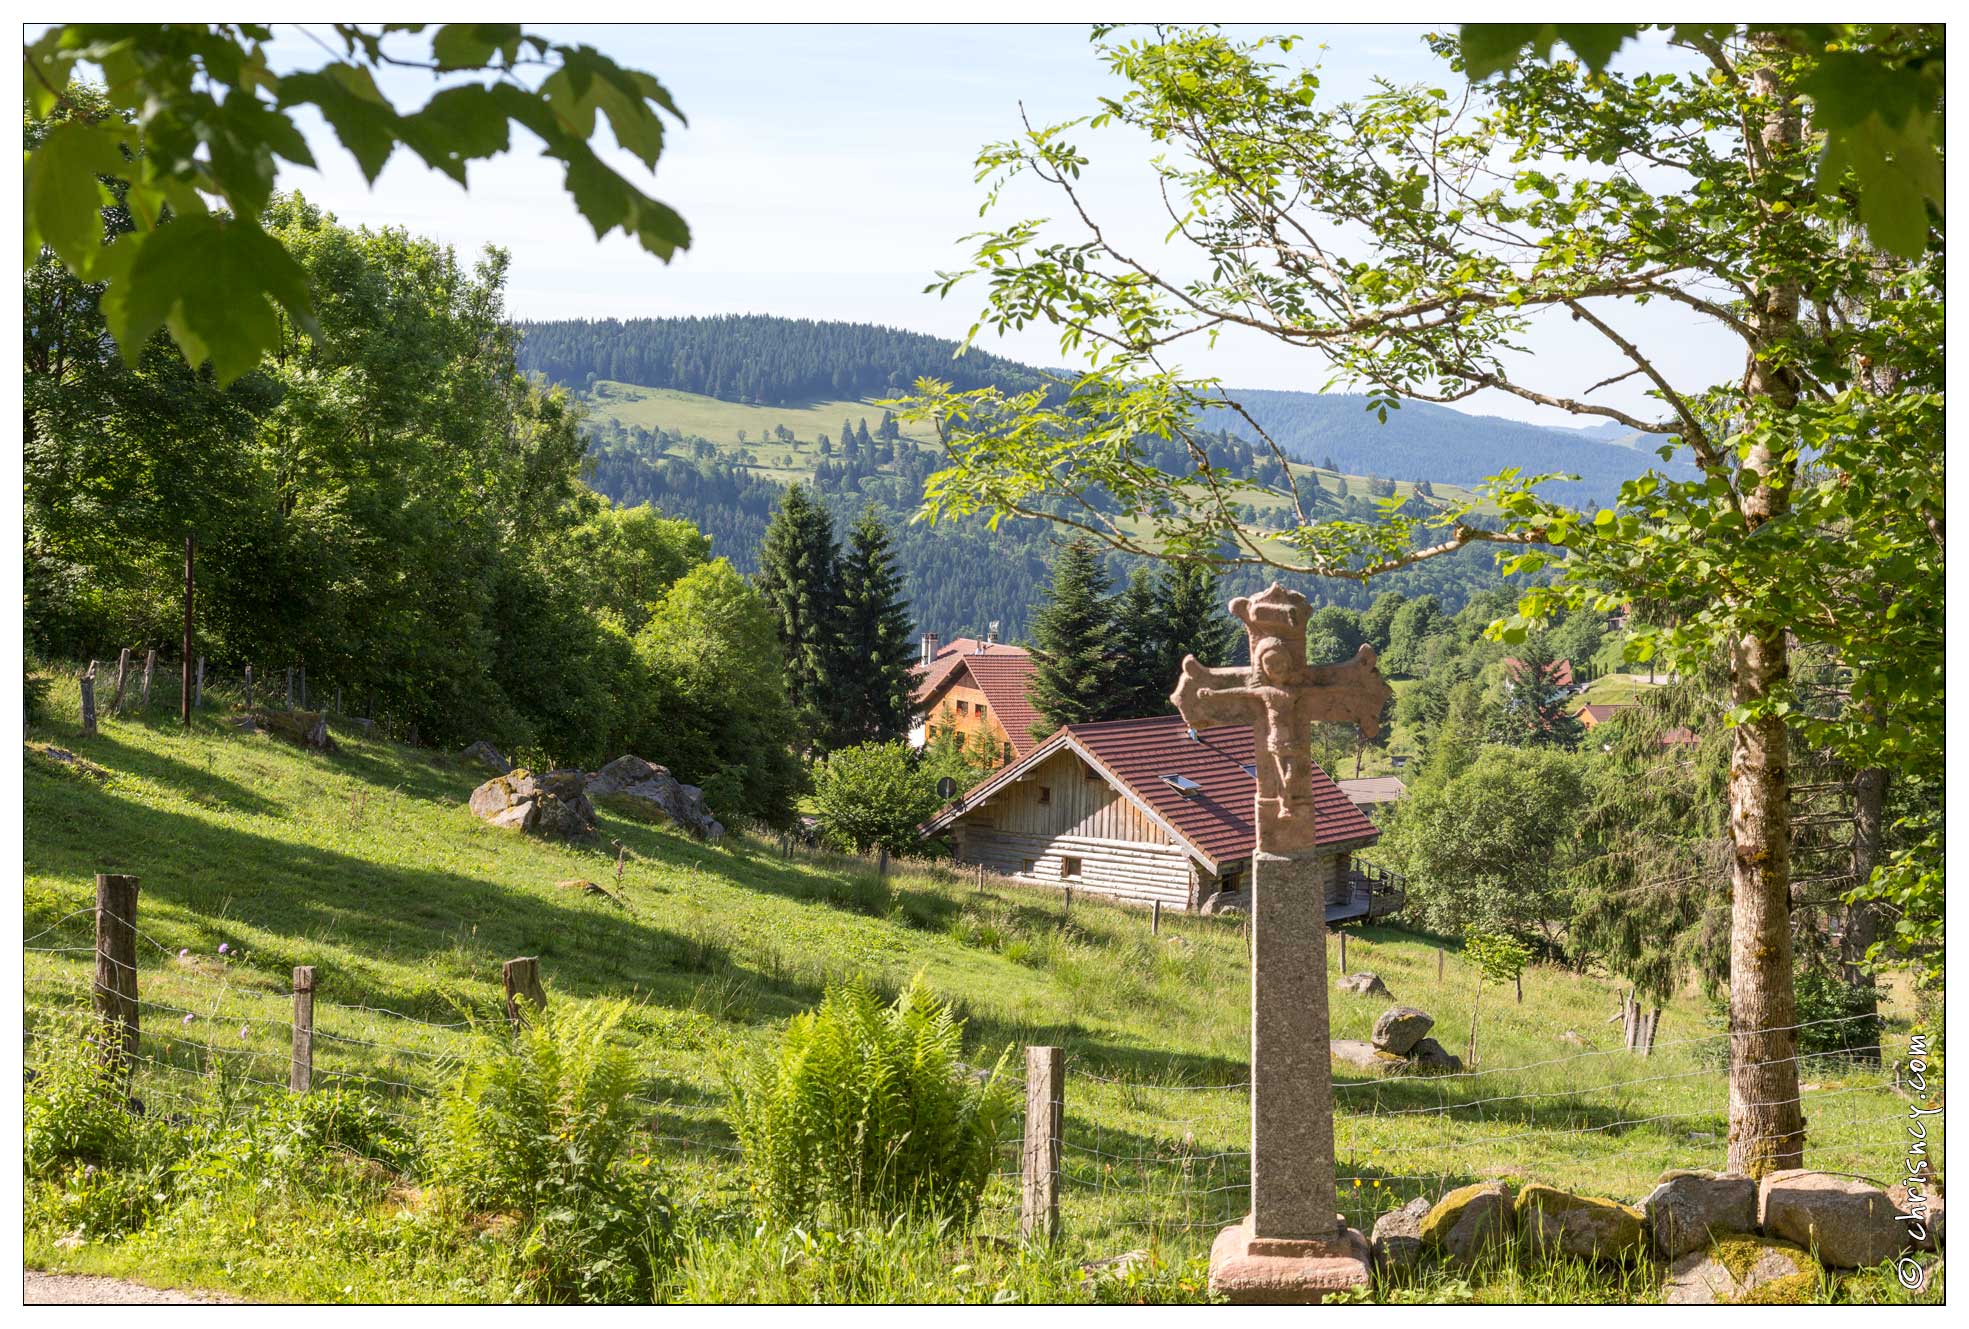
(1281, 697)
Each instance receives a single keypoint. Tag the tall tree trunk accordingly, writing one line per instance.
(1861, 927)
(1767, 1122)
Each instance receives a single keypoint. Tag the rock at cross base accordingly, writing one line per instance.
(1849, 1223)
(1400, 1028)
(640, 789)
(552, 805)
(1365, 984)
(1743, 1271)
(484, 754)
(1689, 1208)
(1398, 1236)
(1467, 1221)
(1585, 1227)
(1246, 1270)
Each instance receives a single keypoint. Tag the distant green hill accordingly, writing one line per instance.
(818, 370)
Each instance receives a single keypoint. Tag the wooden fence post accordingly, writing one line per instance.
(1654, 1026)
(1155, 918)
(290, 687)
(88, 684)
(981, 879)
(522, 980)
(249, 687)
(1440, 953)
(198, 685)
(122, 671)
(300, 1074)
(304, 687)
(1519, 979)
(116, 967)
(1039, 1167)
(882, 864)
(1343, 952)
(1066, 906)
(150, 667)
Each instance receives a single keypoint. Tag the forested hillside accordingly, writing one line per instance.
(756, 358)
(1421, 441)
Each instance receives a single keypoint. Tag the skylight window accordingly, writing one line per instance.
(1251, 770)
(1183, 785)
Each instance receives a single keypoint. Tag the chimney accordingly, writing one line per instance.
(930, 642)
(991, 633)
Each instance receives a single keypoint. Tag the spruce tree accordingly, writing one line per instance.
(1535, 712)
(861, 432)
(1142, 679)
(798, 575)
(1074, 672)
(1196, 619)
(875, 640)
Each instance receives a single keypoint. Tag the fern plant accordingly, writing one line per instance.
(867, 1109)
(542, 1125)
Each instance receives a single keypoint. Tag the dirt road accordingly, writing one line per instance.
(45, 1289)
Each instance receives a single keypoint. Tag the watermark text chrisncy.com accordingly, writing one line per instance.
(1907, 1268)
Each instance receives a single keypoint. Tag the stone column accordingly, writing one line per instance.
(1292, 1188)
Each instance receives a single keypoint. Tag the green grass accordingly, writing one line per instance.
(368, 865)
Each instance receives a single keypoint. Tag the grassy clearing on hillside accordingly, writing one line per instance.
(719, 422)
(368, 865)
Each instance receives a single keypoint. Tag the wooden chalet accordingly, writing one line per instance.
(1146, 811)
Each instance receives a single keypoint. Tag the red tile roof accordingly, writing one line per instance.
(951, 654)
(1559, 671)
(1601, 712)
(1004, 676)
(1217, 818)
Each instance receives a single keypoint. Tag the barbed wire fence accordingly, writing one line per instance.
(1087, 1152)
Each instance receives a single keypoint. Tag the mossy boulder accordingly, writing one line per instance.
(1587, 1227)
(1744, 1271)
(552, 805)
(1689, 1208)
(1365, 1056)
(1469, 1220)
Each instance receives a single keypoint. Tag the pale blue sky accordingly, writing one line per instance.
(826, 173)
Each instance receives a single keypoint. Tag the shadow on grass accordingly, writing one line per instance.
(454, 929)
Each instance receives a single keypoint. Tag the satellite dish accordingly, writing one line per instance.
(946, 788)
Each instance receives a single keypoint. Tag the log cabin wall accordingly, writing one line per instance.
(1065, 811)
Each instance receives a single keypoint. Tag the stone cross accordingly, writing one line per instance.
(1293, 1246)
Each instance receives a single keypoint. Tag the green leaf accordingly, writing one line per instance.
(209, 280)
(347, 97)
(64, 196)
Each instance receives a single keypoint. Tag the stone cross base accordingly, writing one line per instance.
(1270, 1271)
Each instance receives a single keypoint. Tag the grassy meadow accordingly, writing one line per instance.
(368, 865)
(720, 423)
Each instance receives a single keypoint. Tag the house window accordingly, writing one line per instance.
(1027, 866)
(1007, 759)
(1070, 868)
(1045, 794)
(963, 708)
(982, 711)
